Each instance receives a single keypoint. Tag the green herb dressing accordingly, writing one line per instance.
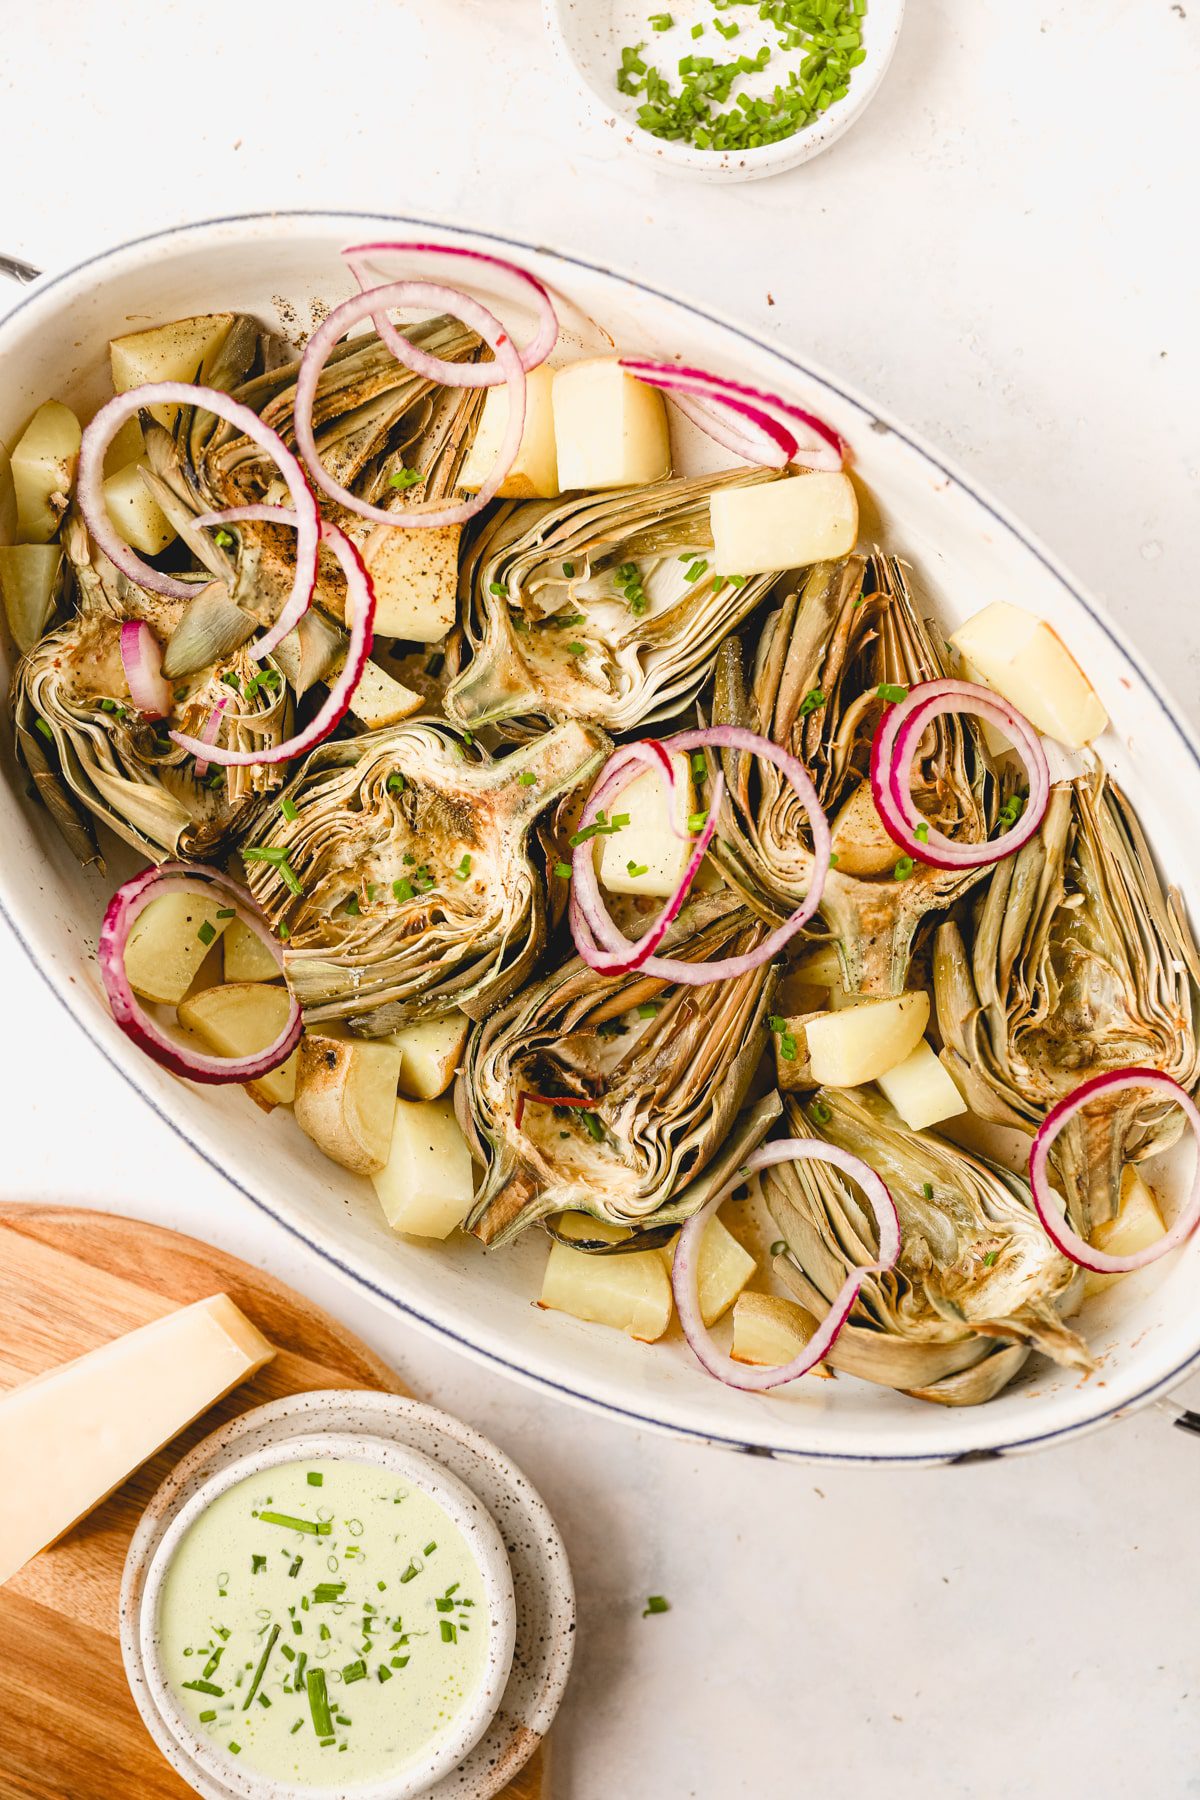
(322, 1622)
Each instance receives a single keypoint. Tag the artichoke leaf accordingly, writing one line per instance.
(601, 607)
(1076, 962)
(665, 1082)
(813, 688)
(414, 856)
(977, 1275)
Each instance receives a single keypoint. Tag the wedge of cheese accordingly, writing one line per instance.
(71, 1436)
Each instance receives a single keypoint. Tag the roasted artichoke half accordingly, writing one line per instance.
(978, 1284)
(813, 686)
(91, 754)
(403, 871)
(599, 607)
(663, 1072)
(1078, 963)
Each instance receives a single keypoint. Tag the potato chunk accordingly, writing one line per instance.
(135, 513)
(1138, 1224)
(921, 1089)
(173, 352)
(43, 470)
(769, 1331)
(428, 1182)
(168, 942)
(611, 430)
(784, 524)
(646, 856)
(1026, 662)
(247, 958)
(724, 1268)
(430, 1052)
(534, 474)
(237, 1020)
(379, 699)
(346, 1099)
(861, 1043)
(631, 1292)
(415, 574)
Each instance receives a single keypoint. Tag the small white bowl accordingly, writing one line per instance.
(436, 1758)
(590, 34)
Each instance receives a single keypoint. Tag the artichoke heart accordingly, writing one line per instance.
(650, 1079)
(814, 684)
(1079, 963)
(400, 867)
(978, 1284)
(602, 607)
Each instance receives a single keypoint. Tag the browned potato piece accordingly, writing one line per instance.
(346, 1099)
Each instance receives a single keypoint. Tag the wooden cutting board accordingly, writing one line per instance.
(70, 1280)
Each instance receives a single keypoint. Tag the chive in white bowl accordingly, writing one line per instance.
(594, 39)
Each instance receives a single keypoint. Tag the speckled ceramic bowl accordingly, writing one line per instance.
(526, 1584)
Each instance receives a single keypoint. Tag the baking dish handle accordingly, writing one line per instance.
(17, 270)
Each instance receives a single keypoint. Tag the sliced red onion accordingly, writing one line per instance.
(141, 659)
(1049, 1207)
(90, 488)
(527, 1098)
(604, 948)
(360, 615)
(212, 726)
(518, 284)
(127, 903)
(433, 298)
(897, 738)
(685, 1268)
(758, 440)
(772, 419)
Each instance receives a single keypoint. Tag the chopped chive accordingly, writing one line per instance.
(576, 649)
(655, 1604)
(353, 907)
(403, 890)
(820, 1113)
(697, 820)
(697, 569)
(660, 21)
(904, 868)
(449, 1634)
(206, 1718)
(318, 1702)
(527, 778)
(234, 1749)
(811, 701)
(990, 1258)
(383, 1673)
(648, 1009)
(635, 869)
(892, 691)
(289, 809)
(355, 1671)
(568, 570)
(278, 860)
(464, 868)
(922, 833)
(405, 478)
(45, 730)
(395, 784)
(410, 1572)
(263, 1660)
(315, 1527)
(257, 1563)
(429, 1549)
(563, 871)
(206, 934)
(203, 1687)
(498, 588)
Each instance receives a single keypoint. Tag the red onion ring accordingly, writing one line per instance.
(437, 298)
(360, 613)
(127, 903)
(897, 737)
(90, 488)
(209, 735)
(685, 1268)
(141, 659)
(606, 949)
(759, 440)
(773, 419)
(520, 285)
(1049, 1209)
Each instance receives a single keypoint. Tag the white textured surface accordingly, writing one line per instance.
(1001, 251)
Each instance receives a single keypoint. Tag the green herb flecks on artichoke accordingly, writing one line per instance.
(978, 1284)
(600, 607)
(1079, 962)
(664, 1071)
(404, 869)
(813, 687)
